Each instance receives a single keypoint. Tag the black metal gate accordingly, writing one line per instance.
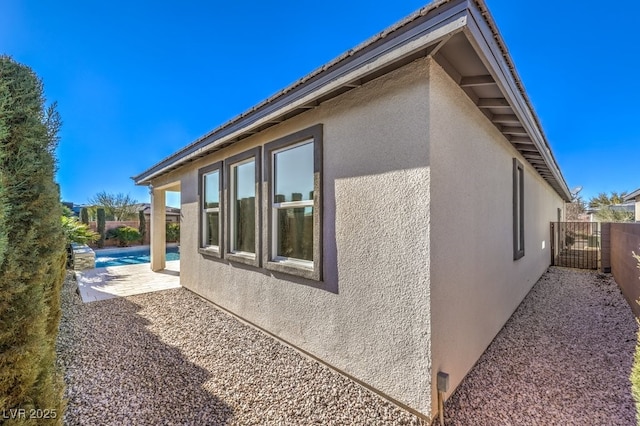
(575, 244)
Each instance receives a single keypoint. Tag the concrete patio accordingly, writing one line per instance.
(120, 281)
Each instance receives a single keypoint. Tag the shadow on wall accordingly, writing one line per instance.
(118, 370)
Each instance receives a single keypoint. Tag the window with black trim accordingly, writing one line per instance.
(210, 191)
(293, 168)
(243, 207)
(518, 209)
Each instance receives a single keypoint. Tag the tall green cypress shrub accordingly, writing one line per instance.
(100, 226)
(32, 247)
(84, 215)
(142, 226)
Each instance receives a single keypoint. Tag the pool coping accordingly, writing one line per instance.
(128, 249)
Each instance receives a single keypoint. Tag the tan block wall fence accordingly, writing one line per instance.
(112, 224)
(605, 247)
(625, 240)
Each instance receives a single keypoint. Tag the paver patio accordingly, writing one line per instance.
(120, 281)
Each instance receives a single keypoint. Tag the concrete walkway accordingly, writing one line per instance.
(119, 281)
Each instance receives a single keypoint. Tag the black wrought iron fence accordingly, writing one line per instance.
(576, 244)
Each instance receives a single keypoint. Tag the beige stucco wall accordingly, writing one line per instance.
(370, 315)
(638, 208)
(158, 237)
(475, 283)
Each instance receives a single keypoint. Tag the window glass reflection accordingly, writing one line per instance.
(212, 229)
(295, 233)
(293, 173)
(244, 207)
(212, 190)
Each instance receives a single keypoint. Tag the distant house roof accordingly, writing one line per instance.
(633, 195)
(623, 207)
(460, 34)
(170, 211)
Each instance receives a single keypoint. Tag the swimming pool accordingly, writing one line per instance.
(120, 257)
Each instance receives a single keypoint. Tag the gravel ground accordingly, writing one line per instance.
(171, 358)
(564, 358)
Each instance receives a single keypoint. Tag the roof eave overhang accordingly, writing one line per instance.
(422, 34)
(347, 73)
(482, 33)
(633, 195)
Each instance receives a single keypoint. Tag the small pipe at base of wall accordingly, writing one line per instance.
(442, 386)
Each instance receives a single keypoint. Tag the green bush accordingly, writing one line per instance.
(124, 234)
(142, 227)
(84, 215)
(101, 222)
(173, 232)
(77, 232)
(32, 247)
(569, 240)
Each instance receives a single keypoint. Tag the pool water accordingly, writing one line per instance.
(131, 257)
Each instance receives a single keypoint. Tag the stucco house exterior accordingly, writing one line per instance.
(635, 197)
(324, 215)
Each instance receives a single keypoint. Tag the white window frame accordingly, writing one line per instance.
(210, 210)
(518, 209)
(232, 207)
(203, 248)
(310, 270)
(286, 205)
(230, 164)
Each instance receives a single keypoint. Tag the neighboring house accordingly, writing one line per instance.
(385, 214)
(635, 197)
(172, 215)
(626, 207)
(67, 204)
(75, 208)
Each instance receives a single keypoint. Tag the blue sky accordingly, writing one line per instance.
(136, 81)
